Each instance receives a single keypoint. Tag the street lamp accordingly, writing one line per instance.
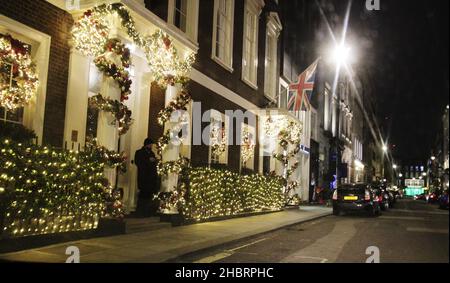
(400, 175)
(394, 166)
(385, 148)
(433, 158)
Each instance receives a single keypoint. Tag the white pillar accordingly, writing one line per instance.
(172, 152)
(77, 101)
(107, 132)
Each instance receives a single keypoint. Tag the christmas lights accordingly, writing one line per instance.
(206, 193)
(105, 64)
(248, 145)
(18, 78)
(289, 139)
(48, 190)
(120, 112)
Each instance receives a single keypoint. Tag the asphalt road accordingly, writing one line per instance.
(411, 232)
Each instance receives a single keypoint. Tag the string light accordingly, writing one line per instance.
(206, 193)
(49, 190)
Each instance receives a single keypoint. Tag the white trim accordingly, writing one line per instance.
(221, 90)
(35, 111)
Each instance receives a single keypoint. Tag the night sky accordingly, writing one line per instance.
(404, 48)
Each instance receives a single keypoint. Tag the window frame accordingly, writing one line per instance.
(191, 19)
(273, 30)
(226, 62)
(252, 11)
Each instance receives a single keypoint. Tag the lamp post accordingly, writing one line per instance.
(340, 56)
(385, 150)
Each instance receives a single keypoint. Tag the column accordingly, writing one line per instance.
(172, 152)
(107, 133)
(77, 101)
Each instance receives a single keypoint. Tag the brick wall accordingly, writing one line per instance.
(46, 18)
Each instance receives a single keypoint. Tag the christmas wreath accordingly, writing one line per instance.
(18, 78)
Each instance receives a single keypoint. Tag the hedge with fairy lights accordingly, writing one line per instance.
(45, 190)
(206, 193)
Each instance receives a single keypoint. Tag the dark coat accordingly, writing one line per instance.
(146, 162)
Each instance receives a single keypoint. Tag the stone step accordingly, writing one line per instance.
(138, 225)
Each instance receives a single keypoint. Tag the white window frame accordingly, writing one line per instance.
(227, 61)
(191, 19)
(273, 31)
(33, 115)
(252, 10)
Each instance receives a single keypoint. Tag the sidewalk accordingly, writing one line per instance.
(168, 243)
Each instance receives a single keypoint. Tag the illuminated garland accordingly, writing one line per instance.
(206, 193)
(91, 32)
(120, 112)
(173, 166)
(45, 190)
(167, 67)
(15, 59)
(111, 69)
(164, 62)
(180, 103)
(289, 139)
(109, 158)
(248, 146)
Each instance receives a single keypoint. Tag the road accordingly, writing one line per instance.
(412, 232)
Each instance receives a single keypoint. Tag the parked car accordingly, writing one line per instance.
(443, 201)
(357, 198)
(420, 197)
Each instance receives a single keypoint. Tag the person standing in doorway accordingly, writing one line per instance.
(146, 162)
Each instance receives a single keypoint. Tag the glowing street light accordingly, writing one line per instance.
(433, 158)
(394, 166)
(385, 148)
(400, 175)
(341, 54)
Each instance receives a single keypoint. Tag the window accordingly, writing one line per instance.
(183, 15)
(180, 14)
(250, 48)
(222, 49)
(248, 143)
(327, 109)
(273, 32)
(7, 78)
(218, 147)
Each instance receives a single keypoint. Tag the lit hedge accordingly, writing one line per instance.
(45, 190)
(214, 193)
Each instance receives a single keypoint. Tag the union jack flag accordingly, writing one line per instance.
(299, 94)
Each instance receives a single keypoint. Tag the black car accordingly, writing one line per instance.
(355, 197)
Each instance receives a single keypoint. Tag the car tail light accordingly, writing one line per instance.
(335, 195)
(367, 196)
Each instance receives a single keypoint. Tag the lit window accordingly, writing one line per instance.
(223, 32)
